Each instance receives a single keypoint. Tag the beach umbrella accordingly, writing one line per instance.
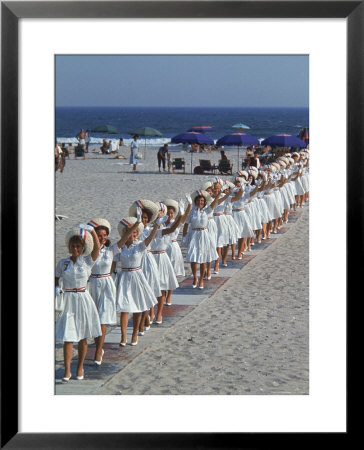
(201, 129)
(241, 126)
(107, 129)
(145, 132)
(284, 140)
(192, 137)
(237, 140)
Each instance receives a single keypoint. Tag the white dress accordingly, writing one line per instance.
(211, 228)
(305, 179)
(174, 252)
(149, 265)
(201, 246)
(133, 293)
(298, 182)
(79, 318)
(252, 210)
(271, 202)
(232, 228)
(220, 220)
(102, 286)
(158, 247)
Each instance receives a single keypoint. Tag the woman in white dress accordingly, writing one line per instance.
(211, 225)
(101, 285)
(158, 247)
(133, 293)
(271, 202)
(300, 192)
(232, 228)
(79, 319)
(220, 220)
(174, 250)
(148, 265)
(201, 248)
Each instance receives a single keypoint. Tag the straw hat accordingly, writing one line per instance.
(295, 154)
(207, 185)
(291, 160)
(99, 222)
(207, 196)
(252, 172)
(85, 236)
(218, 180)
(276, 165)
(126, 223)
(253, 168)
(148, 205)
(282, 163)
(283, 158)
(170, 203)
(242, 173)
(238, 179)
(271, 168)
(230, 184)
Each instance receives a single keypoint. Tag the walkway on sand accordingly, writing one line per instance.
(184, 300)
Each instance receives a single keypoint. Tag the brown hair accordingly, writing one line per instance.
(101, 227)
(76, 240)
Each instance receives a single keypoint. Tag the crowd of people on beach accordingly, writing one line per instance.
(138, 274)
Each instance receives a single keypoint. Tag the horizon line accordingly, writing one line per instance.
(175, 106)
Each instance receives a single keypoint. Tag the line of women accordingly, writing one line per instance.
(138, 274)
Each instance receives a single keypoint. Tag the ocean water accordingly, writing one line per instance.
(170, 121)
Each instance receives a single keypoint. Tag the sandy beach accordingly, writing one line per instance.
(250, 337)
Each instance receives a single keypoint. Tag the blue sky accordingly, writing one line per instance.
(186, 80)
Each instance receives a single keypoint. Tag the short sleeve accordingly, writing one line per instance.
(141, 246)
(114, 249)
(88, 261)
(207, 210)
(59, 268)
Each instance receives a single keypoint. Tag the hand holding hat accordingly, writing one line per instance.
(138, 214)
(189, 199)
(225, 186)
(83, 226)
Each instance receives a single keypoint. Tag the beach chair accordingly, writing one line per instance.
(178, 164)
(206, 165)
(225, 166)
(79, 151)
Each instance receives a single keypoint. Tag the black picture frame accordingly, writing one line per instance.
(11, 12)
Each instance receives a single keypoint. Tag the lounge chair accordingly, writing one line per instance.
(225, 166)
(205, 164)
(178, 164)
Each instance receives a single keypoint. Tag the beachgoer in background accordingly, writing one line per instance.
(195, 148)
(87, 140)
(79, 319)
(81, 138)
(223, 155)
(134, 148)
(162, 156)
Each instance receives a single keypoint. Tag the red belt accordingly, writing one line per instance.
(199, 229)
(100, 275)
(81, 289)
(156, 251)
(130, 269)
(227, 214)
(240, 209)
(218, 214)
(173, 240)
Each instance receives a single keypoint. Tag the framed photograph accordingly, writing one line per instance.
(208, 28)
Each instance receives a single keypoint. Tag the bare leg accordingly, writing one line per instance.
(258, 236)
(218, 258)
(82, 350)
(194, 273)
(99, 341)
(264, 230)
(242, 244)
(67, 357)
(124, 317)
(136, 322)
(208, 270)
(143, 321)
(224, 253)
(151, 314)
(202, 273)
(160, 306)
(233, 247)
(169, 297)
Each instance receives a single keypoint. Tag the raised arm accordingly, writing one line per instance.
(152, 234)
(237, 195)
(127, 233)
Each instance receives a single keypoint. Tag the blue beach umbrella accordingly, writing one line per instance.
(284, 140)
(241, 126)
(192, 137)
(237, 140)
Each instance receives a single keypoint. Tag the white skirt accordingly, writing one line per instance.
(167, 277)
(103, 293)
(201, 247)
(262, 206)
(222, 236)
(284, 197)
(232, 229)
(254, 216)
(175, 255)
(133, 293)
(299, 187)
(272, 206)
(79, 318)
(151, 273)
(243, 222)
(305, 182)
